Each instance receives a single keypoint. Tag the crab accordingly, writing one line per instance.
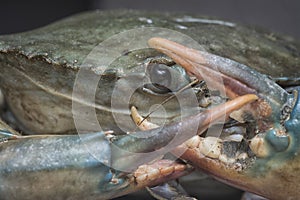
(42, 155)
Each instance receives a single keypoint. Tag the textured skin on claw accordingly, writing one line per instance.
(56, 51)
(274, 177)
(153, 172)
(274, 183)
(61, 167)
(31, 160)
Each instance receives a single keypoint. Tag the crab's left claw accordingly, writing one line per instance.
(272, 165)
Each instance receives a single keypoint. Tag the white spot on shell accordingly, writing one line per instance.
(204, 21)
(259, 147)
(223, 158)
(234, 137)
(193, 142)
(210, 147)
(181, 27)
(144, 19)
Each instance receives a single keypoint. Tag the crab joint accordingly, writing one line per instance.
(161, 169)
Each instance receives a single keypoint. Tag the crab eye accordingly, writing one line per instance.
(165, 79)
(160, 77)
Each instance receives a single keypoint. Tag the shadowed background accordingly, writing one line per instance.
(279, 16)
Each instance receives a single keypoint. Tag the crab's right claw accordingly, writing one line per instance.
(275, 122)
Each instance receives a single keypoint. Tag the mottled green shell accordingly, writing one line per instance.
(68, 41)
(38, 67)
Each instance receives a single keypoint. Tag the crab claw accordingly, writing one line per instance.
(225, 75)
(133, 150)
(267, 162)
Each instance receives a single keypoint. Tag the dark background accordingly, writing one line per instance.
(278, 15)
